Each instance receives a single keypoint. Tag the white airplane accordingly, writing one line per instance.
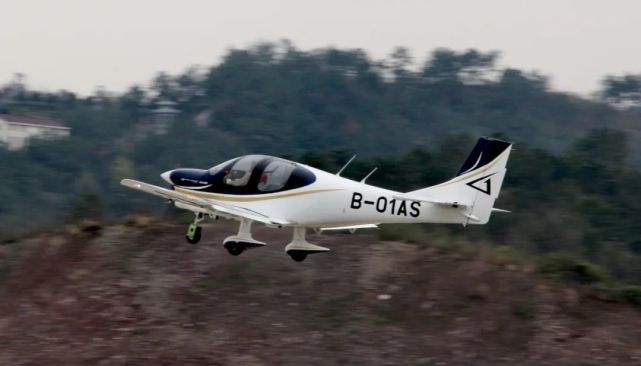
(283, 193)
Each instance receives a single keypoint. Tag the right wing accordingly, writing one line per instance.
(209, 205)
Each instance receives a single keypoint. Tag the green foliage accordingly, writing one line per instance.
(568, 267)
(630, 294)
(122, 168)
(408, 233)
(504, 255)
(87, 206)
(621, 89)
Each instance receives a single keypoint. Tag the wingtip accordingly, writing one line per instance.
(130, 183)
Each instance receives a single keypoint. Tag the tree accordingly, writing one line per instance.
(624, 89)
(399, 62)
(469, 67)
(122, 168)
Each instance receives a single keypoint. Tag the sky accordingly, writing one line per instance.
(79, 45)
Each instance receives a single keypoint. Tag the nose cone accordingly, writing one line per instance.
(167, 176)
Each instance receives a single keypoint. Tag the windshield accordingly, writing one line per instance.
(219, 167)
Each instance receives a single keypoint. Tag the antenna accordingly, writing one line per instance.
(345, 166)
(367, 176)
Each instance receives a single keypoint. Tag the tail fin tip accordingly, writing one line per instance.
(484, 152)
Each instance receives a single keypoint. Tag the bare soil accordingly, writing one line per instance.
(130, 295)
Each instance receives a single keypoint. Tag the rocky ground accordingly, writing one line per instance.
(140, 295)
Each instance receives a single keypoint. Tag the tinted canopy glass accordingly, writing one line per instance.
(256, 174)
(241, 171)
(275, 175)
(219, 167)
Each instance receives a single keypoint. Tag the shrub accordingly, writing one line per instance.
(504, 255)
(568, 267)
(630, 294)
(407, 233)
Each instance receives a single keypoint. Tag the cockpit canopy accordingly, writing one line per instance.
(255, 174)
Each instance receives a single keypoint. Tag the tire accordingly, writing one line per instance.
(235, 250)
(298, 256)
(196, 237)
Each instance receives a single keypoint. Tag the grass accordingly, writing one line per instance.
(403, 232)
(505, 255)
(556, 265)
(568, 267)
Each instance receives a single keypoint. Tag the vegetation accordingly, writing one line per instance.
(572, 181)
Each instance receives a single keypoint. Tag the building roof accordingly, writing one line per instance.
(32, 120)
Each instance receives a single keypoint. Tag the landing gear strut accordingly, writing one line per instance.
(194, 232)
(300, 248)
(236, 244)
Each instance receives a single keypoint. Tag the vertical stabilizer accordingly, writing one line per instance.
(477, 183)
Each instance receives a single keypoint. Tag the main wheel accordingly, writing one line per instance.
(235, 249)
(194, 234)
(298, 256)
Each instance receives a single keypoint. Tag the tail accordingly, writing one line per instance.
(477, 183)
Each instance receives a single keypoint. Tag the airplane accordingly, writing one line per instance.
(281, 193)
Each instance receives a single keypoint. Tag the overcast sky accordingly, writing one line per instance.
(79, 44)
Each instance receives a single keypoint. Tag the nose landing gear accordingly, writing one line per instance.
(194, 232)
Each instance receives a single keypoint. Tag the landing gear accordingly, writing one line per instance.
(234, 249)
(297, 255)
(194, 232)
(236, 244)
(300, 248)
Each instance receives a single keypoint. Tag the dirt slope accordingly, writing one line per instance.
(142, 296)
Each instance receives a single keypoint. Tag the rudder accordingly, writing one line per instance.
(477, 183)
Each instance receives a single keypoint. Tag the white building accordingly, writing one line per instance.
(15, 131)
(162, 116)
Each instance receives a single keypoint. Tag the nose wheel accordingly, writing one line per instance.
(194, 232)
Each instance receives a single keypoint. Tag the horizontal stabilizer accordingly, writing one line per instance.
(406, 197)
(500, 210)
(471, 217)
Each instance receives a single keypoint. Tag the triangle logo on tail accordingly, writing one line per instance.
(483, 184)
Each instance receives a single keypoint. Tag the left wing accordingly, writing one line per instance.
(208, 205)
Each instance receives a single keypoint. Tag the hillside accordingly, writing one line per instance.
(572, 178)
(138, 294)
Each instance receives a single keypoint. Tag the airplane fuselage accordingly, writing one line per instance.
(333, 200)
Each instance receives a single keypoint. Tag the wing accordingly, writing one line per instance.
(352, 228)
(212, 206)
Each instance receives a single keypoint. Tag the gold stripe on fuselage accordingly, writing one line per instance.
(218, 197)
